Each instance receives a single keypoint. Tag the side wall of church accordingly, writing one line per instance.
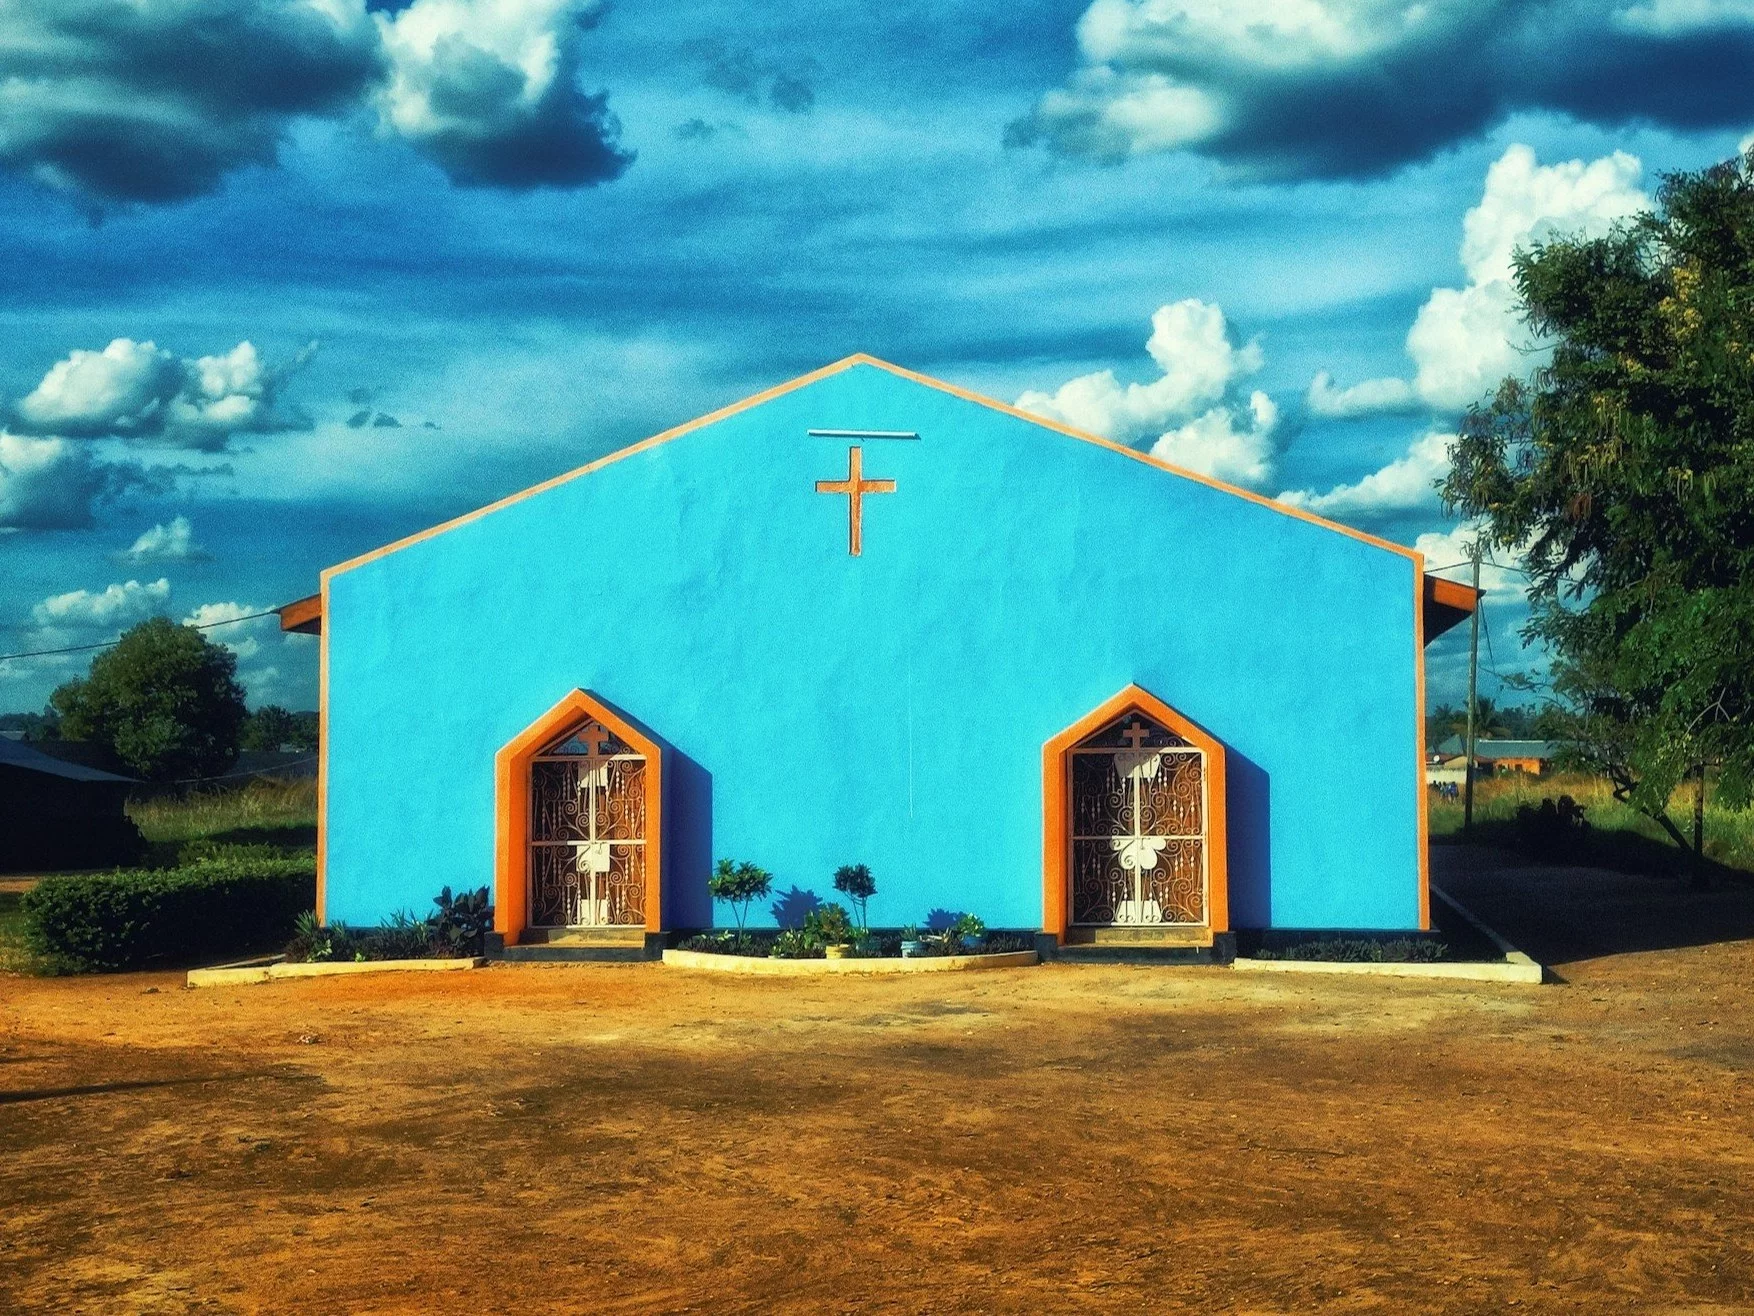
(887, 709)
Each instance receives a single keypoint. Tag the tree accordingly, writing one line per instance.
(166, 700)
(854, 881)
(739, 885)
(271, 727)
(1624, 471)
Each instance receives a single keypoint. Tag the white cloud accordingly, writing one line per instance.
(1193, 411)
(1191, 344)
(136, 389)
(1373, 397)
(489, 89)
(1465, 340)
(117, 605)
(1404, 485)
(1213, 445)
(120, 390)
(174, 542)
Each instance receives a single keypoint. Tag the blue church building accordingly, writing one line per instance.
(868, 617)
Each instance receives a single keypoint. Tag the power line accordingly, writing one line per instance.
(110, 644)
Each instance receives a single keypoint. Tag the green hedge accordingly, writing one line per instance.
(214, 906)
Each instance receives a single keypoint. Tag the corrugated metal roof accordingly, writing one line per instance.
(17, 754)
(1502, 749)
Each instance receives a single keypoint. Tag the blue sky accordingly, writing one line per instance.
(286, 279)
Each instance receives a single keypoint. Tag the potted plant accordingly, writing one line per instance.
(910, 942)
(830, 928)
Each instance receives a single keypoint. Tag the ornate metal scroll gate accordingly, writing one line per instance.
(1138, 826)
(588, 832)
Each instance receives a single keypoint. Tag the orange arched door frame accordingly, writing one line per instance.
(512, 808)
(1056, 777)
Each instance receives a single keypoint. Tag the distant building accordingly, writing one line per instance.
(59, 815)
(1530, 756)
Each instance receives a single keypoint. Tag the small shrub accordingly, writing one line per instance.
(404, 937)
(795, 944)
(828, 926)
(1004, 943)
(222, 905)
(462, 922)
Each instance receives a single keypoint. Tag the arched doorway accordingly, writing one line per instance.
(1134, 825)
(579, 832)
(587, 858)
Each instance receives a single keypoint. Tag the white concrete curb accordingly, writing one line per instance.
(700, 959)
(1511, 954)
(1528, 972)
(274, 972)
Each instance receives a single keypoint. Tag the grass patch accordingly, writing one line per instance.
(15, 956)
(1619, 836)
(281, 814)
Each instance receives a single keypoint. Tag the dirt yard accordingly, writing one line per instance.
(632, 1139)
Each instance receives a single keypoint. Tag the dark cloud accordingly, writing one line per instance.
(54, 484)
(155, 102)
(694, 130)
(361, 397)
(738, 71)
(359, 418)
(1358, 90)
(384, 421)
(116, 101)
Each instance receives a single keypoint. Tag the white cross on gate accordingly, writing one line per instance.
(1136, 735)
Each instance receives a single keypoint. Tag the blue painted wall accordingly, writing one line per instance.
(888, 709)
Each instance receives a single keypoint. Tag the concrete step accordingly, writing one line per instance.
(629, 936)
(1139, 935)
(1221, 951)
(552, 953)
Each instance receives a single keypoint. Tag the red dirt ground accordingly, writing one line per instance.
(636, 1139)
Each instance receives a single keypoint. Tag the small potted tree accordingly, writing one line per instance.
(739, 885)
(830, 928)
(910, 942)
(854, 881)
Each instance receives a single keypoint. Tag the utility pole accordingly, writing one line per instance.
(1473, 678)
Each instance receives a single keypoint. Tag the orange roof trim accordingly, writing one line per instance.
(847, 363)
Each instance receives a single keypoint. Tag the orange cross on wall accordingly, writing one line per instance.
(855, 487)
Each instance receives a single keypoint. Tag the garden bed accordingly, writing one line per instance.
(767, 964)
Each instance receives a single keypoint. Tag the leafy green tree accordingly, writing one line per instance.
(272, 727)
(739, 885)
(166, 700)
(854, 881)
(1624, 471)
